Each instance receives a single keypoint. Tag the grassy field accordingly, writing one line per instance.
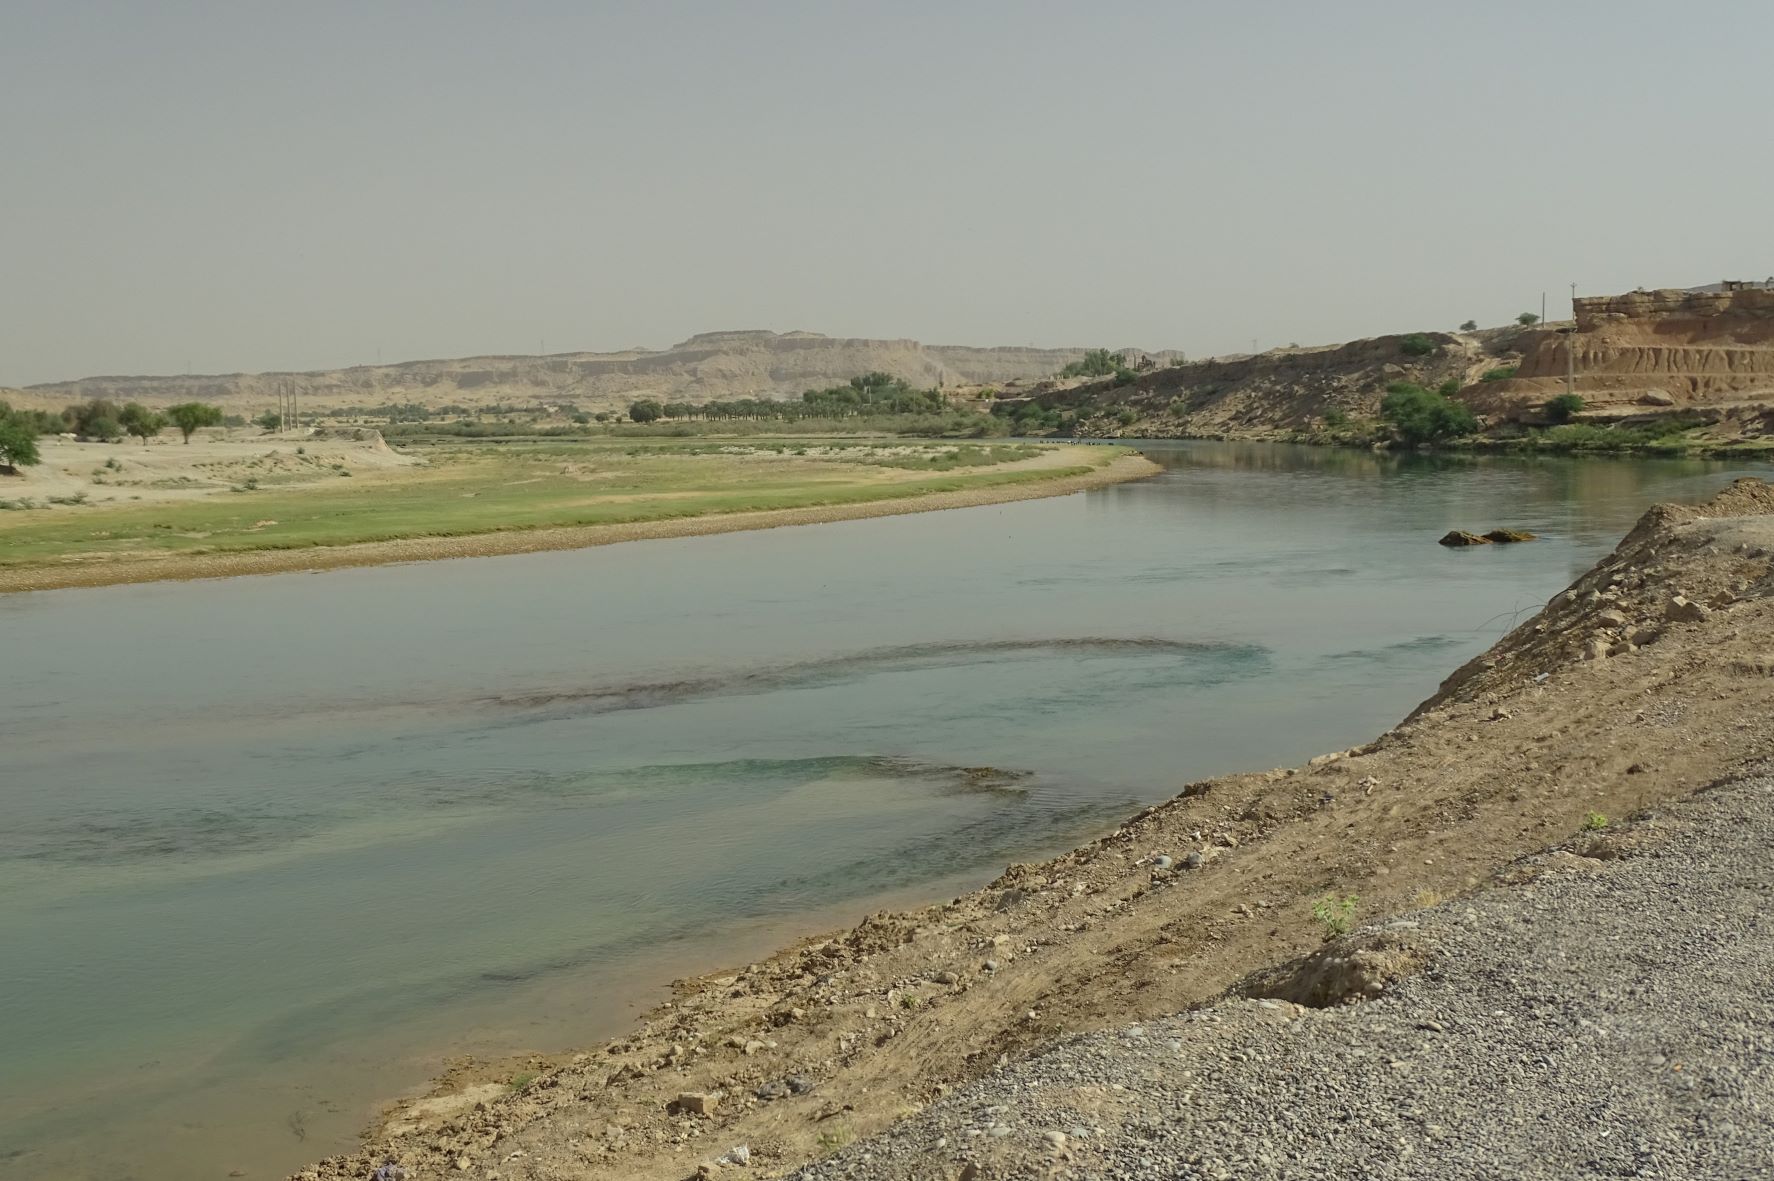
(474, 488)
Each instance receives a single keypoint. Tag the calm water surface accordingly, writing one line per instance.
(271, 847)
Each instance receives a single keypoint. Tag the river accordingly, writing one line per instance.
(272, 849)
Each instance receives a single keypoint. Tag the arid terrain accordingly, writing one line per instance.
(707, 366)
(1650, 678)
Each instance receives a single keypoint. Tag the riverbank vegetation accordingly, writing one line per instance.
(465, 488)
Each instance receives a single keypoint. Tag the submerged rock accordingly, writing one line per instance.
(1461, 537)
(1505, 536)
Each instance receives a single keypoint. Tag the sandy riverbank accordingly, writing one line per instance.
(1645, 681)
(173, 566)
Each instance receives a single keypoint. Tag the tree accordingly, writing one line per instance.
(18, 441)
(141, 422)
(1563, 407)
(270, 421)
(1424, 416)
(1469, 326)
(1527, 319)
(1095, 363)
(189, 416)
(94, 419)
(645, 410)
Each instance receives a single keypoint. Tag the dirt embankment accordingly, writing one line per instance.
(1651, 677)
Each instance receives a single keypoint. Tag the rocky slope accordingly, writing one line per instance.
(1646, 680)
(1280, 392)
(1585, 1021)
(713, 365)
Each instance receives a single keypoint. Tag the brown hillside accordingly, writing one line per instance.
(713, 365)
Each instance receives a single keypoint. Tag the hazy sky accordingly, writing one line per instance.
(240, 185)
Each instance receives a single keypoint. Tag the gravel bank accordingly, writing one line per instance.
(1608, 1014)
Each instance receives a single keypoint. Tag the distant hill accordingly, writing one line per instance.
(711, 365)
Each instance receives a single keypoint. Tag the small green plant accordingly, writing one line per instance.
(835, 1138)
(1335, 915)
(1125, 416)
(111, 465)
(908, 1001)
(1123, 376)
(76, 498)
(1501, 373)
(1564, 407)
(521, 1082)
(1527, 319)
(301, 450)
(1417, 344)
(1336, 418)
(1594, 821)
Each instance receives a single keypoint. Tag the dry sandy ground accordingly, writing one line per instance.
(165, 469)
(1647, 680)
(160, 566)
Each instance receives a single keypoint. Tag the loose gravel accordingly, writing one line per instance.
(1610, 1016)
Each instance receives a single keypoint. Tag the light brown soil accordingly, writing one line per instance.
(1513, 755)
(157, 567)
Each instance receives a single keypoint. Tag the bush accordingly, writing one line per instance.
(1503, 373)
(1336, 417)
(645, 410)
(1417, 344)
(1125, 416)
(1469, 326)
(1424, 416)
(1564, 407)
(1527, 319)
(1123, 377)
(1095, 363)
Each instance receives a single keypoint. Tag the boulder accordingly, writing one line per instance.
(1682, 609)
(1656, 398)
(695, 1103)
(1461, 537)
(1506, 536)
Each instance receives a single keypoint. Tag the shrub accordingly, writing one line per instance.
(1594, 821)
(1469, 326)
(1424, 416)
(1335, 915)
(1502, 373)
(1125, 416)
(645, 410)
(1448, 388)
(1564, 407)
(1123, 377)
(1336, 417)
(1417, 344)
(1527, 319)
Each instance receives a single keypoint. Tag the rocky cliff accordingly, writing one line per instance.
(1284, 390)
(708, 366)
(1646, 352)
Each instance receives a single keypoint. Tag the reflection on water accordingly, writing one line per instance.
(269, 847)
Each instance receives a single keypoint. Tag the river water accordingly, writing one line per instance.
(272, 848)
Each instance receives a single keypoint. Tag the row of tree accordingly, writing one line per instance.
(95, 419)
(869, 394)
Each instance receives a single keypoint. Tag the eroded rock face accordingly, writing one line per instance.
(1647, 349)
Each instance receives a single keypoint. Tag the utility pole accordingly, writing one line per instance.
(1542, 307)
(1571, 347)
